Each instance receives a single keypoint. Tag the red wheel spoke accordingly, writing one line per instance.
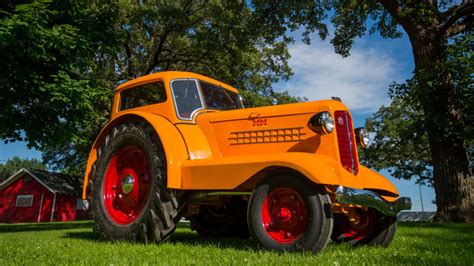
(360, 230)
(126, 184)
(284, 215)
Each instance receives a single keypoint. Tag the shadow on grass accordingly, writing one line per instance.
(183, 237)
(193, 239)
(12, 228)
(88, 236)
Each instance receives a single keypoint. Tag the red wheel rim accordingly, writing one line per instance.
(284, 215)
(123, 202)
(358, 230)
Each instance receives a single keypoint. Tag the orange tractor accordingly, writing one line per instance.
(180, 144)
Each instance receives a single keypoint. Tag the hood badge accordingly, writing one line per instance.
(340, 121)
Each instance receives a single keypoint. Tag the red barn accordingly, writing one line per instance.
(41, 196)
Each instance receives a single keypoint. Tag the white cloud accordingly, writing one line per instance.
(360, 80)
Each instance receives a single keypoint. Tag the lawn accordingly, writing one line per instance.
(75, 243)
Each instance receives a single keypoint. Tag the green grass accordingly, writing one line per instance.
(75, 243)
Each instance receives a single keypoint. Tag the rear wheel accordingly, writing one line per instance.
(228, 220)
(289, 214)
(129, 197)
(370, 228)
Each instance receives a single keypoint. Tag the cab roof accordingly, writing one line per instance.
(170, 75)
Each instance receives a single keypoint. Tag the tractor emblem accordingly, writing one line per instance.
(340, 121)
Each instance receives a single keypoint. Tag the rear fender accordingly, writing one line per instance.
(172, 141)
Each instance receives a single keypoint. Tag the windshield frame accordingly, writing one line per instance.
(201, 97)
(203, 104)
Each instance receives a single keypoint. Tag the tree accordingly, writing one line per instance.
(62, 59)
(14, 164)
(400, 144)
(431, 26)
(48, 93)
(401, 141)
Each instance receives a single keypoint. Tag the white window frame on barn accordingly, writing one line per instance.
(21, 198)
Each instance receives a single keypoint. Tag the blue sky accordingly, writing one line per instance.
(360, 80)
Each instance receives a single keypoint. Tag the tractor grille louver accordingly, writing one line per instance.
(345, 139)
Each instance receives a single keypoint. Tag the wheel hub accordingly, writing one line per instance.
(357, 229)
(284, 214)
(127, 184)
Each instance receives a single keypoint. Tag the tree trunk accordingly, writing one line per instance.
(453, 180)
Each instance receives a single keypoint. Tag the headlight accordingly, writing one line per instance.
(362, 137)
(321, 123)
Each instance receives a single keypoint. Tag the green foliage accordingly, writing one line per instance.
(61, 60)
(217, 39)
(14, 164)
(458, 69)
(401, 142)
(49, 96)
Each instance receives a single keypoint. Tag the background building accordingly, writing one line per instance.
(39, 196)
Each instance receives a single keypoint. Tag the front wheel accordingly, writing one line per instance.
(368, 228)
(287, 213)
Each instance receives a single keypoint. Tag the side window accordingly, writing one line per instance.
(219, 98)
(186, 97)
(143, 95)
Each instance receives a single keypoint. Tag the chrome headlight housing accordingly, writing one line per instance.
(362, 137)
(321, 123)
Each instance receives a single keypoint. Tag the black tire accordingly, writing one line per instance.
(227, 221)
(159, 215)
(376, 229)
(313, 229)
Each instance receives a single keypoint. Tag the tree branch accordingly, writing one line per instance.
(455, 9)
(453, 15)
(128, 52)
(456, 29)
(154, 62)
(396, 11)
(416, 173)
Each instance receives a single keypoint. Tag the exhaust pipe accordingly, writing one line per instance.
(371, 199)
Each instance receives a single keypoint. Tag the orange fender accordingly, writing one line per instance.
(376, 182)
(229, 172)
(172, 141)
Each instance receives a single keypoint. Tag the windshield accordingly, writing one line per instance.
(186, 97)
(189, 97)
(218, 98)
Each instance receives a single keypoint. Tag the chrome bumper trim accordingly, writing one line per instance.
(371, 199)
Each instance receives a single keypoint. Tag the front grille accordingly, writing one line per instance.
(345, 139)
(267, 136)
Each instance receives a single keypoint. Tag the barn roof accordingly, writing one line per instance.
(55, 182)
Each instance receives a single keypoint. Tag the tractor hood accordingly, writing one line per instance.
(294, 109)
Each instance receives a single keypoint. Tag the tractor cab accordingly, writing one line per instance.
(179, 95)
